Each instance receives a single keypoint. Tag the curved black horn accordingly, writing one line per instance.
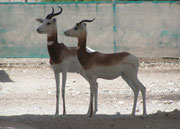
(54, 14)
(49, 16)
(86, 21)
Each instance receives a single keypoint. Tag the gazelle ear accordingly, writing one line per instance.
(54, 20)
(40, 20)
(84, 25)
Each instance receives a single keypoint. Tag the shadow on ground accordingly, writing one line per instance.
(4, 77)
(160, 120)
(173, 96)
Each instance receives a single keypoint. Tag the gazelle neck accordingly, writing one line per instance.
(81, 52)
(52, 38)
(82, 42)
(54, 48)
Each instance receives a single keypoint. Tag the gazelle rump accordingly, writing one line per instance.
(63, 59)
(106, 66)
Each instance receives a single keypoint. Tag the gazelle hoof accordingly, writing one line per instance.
(89, 114)
(57, 113)
(64, 113)
(144, 115)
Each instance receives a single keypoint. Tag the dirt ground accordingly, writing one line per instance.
(27, 96)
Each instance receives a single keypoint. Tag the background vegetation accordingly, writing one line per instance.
(98, 0)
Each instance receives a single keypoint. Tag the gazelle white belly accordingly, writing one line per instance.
(110, 72)
(70, 65)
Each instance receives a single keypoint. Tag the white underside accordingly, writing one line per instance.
(111, 72)
(103, 72)
(50, 43)
(70, 64)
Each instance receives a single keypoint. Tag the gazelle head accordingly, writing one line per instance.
(48, 25)
(78, 30)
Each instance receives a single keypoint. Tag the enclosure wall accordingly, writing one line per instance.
(145, 29)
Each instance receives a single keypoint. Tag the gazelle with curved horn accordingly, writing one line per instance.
(106, 66)
(63, 59)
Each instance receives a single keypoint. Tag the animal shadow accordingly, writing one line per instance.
(4, 77)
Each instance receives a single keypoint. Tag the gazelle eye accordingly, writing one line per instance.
(48, 23)
(75, 28)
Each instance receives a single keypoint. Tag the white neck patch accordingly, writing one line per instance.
(50, 43)
(89, 50)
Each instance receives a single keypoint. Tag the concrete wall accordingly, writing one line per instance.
(145, 29)
(149, 29)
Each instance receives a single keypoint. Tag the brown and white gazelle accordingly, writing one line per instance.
(63, 59)
(106, 66)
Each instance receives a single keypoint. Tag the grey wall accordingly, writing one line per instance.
(145, 29)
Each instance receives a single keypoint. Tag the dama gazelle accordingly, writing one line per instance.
(63, 59)
(106, 66)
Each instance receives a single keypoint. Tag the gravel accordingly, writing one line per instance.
(27, 96)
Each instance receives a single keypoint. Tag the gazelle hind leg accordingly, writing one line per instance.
(96, 98)
(143, 91)
(64, 75)
(57, 92)
(90, 110)
(131, 73)
(135, 90)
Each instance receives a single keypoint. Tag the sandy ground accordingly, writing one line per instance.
(27, 96)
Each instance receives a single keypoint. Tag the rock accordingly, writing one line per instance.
(121, 102)
(160, 105)
(69, 88)
(168, 102)
(49, 92)
(25, 71)
(105, 90)
(78, 93)
(118, 113)
(86, 92)
(137, 110)
(159, 111)
(116, 105)
(170, 83)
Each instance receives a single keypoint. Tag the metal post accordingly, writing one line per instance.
(114, 25)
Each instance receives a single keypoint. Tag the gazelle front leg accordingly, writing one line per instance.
(57, 91)
(96, 98)
(93, 97)
(90, 110)
(64, 75)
